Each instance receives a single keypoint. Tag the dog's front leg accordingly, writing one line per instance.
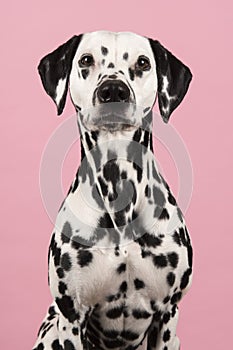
(65, 328)
(162, 334)
(57, 333)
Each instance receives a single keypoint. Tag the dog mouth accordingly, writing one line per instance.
(112, 117)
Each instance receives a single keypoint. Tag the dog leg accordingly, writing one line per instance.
(57, 333)
(162, 335)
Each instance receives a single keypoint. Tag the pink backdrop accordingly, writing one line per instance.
(199, 32)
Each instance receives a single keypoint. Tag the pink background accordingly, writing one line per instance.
(200, 33)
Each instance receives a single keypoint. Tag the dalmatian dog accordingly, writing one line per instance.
(120, 257)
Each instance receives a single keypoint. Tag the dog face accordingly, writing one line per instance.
(115, 68)
(114, 78)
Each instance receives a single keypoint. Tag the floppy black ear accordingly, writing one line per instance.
(173, 79)
(54, 70)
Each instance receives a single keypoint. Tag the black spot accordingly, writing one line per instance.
(66, 307)
(176, 238)
(68, 345)
(171, 198)
(111, 344)
(146, 109)
(110, 333)
(157, 313)
(116, 251)
(185, 278)
(46, 330)
(176, 298)
(121, 268)
(66, 232)
(62, 287)
(60, 272)
(134, 195)
(154, 171)
(166, 317)
(113, 297)
(66, 262)
(111, 65)
(125, 56)
(104, 50)
(173, 259)
(166, 299)
(83, 154)
(94, 135)
(131, 74)
(182, 236)
(103, 62)
(166, 335)
(160, 260)
(120, 71)
(137, 135)
(105, 221)
(120, 218)
(104, 187)
(52, 311)
(153, 305)
(152, 338)
(56, 252)
(171, 279)
(84, 257)
(190, 256)
(39, 347)
(164, 214)
(75, 331)
(145, 253)
(151, 240)
(128, 335)
(145, 141)
(56, 345)
(88, 141)
(139, 171)
(85, 73)
(147, 191)
(111, 171)
(179, 213)
(139, 284)
(78, 107)
(174, 308)
(159, 197)
(123, 287)
(140, 314)
(115, 312)
(75, 243)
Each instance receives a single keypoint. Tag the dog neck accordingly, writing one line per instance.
(116, 140)
(115, 187)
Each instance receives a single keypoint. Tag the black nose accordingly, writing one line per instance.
(113, 91)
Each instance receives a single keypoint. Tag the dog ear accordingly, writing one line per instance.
(54, 70)
(173, 79)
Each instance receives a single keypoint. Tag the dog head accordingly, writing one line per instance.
(114, 75)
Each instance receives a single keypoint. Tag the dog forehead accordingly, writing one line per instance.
(104, 43)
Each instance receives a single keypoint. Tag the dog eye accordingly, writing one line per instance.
(143, 63)
(86, 60)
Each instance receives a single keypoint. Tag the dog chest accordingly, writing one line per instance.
(125, 274)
